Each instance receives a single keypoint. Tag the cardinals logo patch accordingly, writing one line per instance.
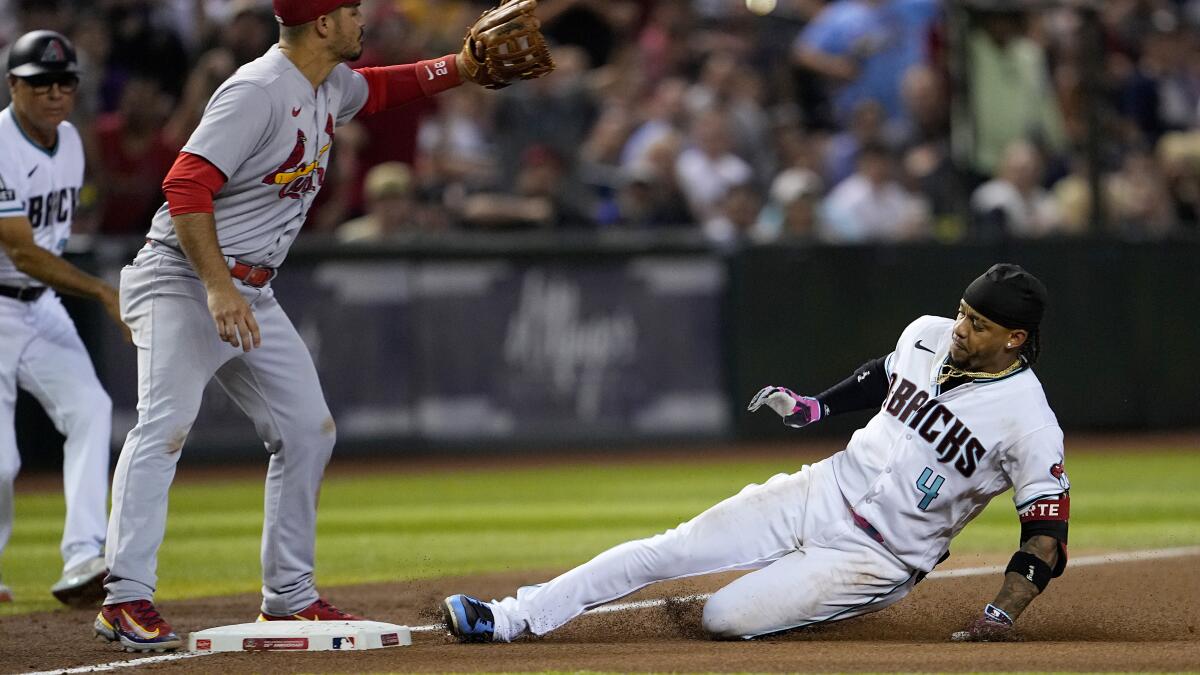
(295, 176)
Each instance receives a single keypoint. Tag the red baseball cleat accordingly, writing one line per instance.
(137, 626)
(318, 611)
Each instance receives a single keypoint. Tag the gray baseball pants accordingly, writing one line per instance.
(276, 385)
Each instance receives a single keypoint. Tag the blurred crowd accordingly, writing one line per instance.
(749, 120)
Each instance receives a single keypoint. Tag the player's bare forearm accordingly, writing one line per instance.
(197, 234)
(59, 274)
(1018, 592)
(16, 236)
(231, 313)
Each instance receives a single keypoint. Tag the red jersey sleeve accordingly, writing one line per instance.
(191, 184)
(393, 86)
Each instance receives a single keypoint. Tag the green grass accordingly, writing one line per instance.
(418, 525)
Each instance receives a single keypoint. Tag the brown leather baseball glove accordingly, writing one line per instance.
(505, 44)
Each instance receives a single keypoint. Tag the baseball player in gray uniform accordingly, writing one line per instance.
(961, 419)
(199, 300)
(41, 172)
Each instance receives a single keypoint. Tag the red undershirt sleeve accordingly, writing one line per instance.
(393, 86)
(191, 184)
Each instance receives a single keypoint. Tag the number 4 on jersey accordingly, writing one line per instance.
(930, 489)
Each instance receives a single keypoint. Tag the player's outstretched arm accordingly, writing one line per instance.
(504, 45)
(866, 388)
(231, 313)
(1027, 575)
(16, 237)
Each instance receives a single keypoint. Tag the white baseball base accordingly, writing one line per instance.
(301, 636)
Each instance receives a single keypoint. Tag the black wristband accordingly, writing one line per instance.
(1034, 569)
(1056, 529)
(865, 389)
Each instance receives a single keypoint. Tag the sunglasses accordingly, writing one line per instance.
(41, 84)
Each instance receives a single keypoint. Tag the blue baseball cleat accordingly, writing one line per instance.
(468, 619)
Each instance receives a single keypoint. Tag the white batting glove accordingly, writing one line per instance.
(797, 411)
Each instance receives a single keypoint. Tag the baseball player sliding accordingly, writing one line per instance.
(199, 300)
(41, 172)
(961, 418)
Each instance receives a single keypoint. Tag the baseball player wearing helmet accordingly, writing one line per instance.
(961, 419)
(199, 299)
(41, 172)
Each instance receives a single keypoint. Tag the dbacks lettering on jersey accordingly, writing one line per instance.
(951, 440)
(52, 208)
(297, 177)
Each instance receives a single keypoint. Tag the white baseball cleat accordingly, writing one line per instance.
(82, 585)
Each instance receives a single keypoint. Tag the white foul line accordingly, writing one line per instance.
(1084, 561)
(131, 663)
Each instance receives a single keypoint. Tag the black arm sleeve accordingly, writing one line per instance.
(865, 389)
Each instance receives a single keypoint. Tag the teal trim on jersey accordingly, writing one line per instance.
(49, 153)
(20, 209)
(1027, 502)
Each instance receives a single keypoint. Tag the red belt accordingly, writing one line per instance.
(251, 275)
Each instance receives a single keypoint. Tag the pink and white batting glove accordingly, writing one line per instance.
(797, 411)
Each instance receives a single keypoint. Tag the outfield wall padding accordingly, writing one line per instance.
(530, 341)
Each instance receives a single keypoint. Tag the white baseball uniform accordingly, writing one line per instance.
(40, 350)
(853, 533)
(269, 132)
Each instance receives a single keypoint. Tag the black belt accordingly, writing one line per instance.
(24, 293)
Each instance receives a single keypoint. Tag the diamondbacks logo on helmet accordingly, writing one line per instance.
(54, 52)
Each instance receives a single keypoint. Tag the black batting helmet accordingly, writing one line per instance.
(41, 52)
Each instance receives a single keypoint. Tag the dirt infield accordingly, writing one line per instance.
(1139, 616)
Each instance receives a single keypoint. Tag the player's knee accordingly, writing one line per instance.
(318, 435)
(721, 619)
(325, 432)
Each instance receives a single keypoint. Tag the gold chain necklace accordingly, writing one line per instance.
(948, 371)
